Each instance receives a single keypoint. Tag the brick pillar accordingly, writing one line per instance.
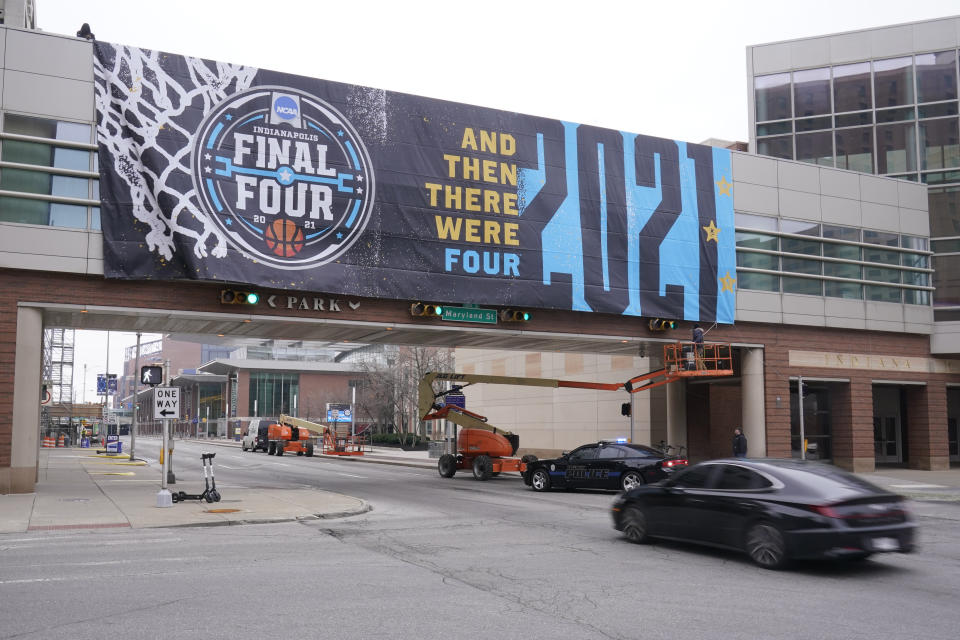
(852, 424)
(777, 412)
(926, 426)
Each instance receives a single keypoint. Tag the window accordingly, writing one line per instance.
(815, 148)
(893, 81)
(610, 453)
(583, 454)
(939, 144)
(778, 147)
(937, 76)
(47, 183)
(855, 149)
(896, 148)
(772, 96)
(851, 87)
(694, 477)
(833, 289)
(273, 393)
(735, 478)
(811, 92)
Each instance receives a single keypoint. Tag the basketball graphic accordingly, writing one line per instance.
(284, 238)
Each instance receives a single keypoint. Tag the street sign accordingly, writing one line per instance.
(112, 384)
(469, 314)
(151, 374)
(456, 400)
(166, 403)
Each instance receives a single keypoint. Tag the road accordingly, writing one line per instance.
(441, 558)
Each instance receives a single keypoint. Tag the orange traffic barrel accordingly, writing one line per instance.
(48, 442)
(60, 440)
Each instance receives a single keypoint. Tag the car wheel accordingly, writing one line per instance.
(482, 467)
(766, 547)
(447, 465)
(540, 480)
(635, 525)
(494, 474)
(630, 480)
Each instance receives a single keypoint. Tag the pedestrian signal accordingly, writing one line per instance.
(515, 315)
(659, 324)
(428, 310)
(233, 296)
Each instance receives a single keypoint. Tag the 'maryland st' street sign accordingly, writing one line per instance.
(166, 403)
(469, 314)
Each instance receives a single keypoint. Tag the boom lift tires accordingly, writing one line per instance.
(447, 465)
(482, 467)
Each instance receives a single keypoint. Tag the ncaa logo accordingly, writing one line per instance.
(285, 177)
(286, 109)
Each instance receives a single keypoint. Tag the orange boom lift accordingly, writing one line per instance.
(487, 450)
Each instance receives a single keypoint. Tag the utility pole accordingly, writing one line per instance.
(803, 437)
(136, 388)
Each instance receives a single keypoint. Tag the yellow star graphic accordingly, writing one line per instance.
(724, 187)
(728, 283)
(712, 232)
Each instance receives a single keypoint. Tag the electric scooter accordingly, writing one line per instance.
(210, 493)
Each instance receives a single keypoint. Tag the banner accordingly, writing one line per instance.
(220, 172)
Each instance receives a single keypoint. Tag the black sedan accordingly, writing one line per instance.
(602, 465)
(774, 510)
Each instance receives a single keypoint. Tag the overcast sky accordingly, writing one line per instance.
(669, 69)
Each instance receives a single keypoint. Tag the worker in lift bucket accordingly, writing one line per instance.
(698, 345)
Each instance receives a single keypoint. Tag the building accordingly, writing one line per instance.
(837, 290)
(880, 101)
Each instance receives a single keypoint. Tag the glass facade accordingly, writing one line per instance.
(273, 393)
(53, 163)
(893, 116)
(797, 256)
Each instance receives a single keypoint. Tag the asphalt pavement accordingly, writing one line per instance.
(83, 489)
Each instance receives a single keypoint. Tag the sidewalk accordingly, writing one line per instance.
(80, 489)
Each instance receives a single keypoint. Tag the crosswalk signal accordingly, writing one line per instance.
(515, 315)
(420, 309)
(233, 296)
(659, 324)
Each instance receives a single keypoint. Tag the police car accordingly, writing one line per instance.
(616, 465)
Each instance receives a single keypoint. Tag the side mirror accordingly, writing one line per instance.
(565, 454)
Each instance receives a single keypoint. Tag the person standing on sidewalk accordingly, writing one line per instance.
(739, 444)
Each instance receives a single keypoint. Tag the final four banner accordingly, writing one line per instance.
(220, 172)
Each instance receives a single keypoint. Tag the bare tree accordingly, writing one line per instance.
(390, 379)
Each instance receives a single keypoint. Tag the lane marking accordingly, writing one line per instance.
(918, 486)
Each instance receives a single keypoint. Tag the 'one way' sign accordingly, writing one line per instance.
(166, 403)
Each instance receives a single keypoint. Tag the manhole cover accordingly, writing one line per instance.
(222, 510)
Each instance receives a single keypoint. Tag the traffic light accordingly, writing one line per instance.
(515, 315)
(427, 310)
(659, 324)
(234, 296)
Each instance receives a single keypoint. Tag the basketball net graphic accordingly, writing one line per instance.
(140, 107)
